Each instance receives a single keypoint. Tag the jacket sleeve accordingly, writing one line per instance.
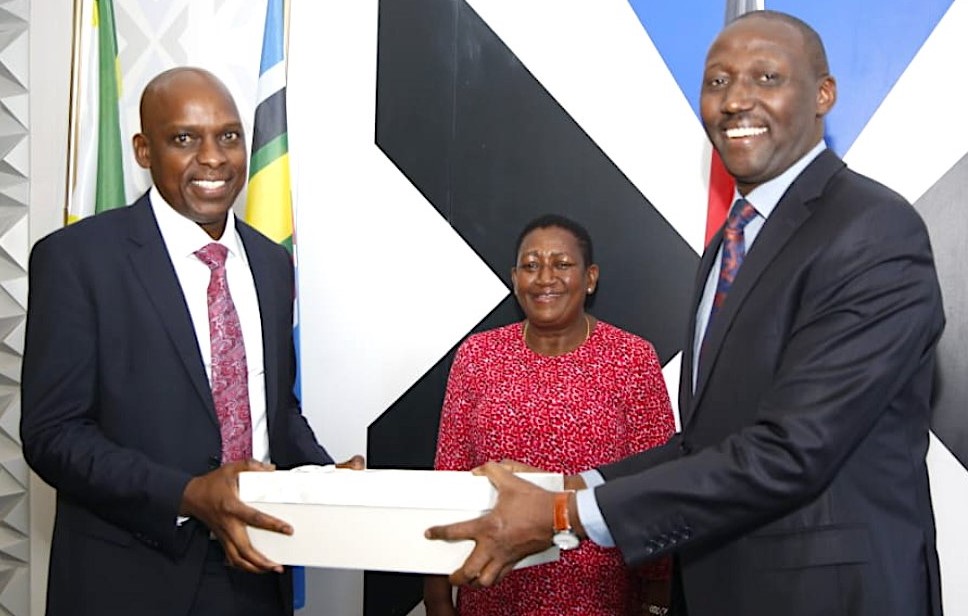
(863, 331)
(60, 431)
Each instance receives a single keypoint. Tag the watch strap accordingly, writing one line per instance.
(561, 511)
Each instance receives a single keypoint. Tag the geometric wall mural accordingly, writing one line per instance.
(489, 148)
(14, 184)
(477, 107)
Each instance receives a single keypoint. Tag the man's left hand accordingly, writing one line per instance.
(356, 463)
(520, 524)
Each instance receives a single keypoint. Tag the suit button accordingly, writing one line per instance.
(214, 462)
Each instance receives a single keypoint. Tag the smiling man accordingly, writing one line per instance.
(158, 364)
(798, 484)
(192, 141)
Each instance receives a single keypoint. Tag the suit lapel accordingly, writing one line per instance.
(790, 213)
(152, 266)
(688, 356)
(262, 276)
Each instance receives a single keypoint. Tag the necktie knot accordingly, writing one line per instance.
(733, 252)
(213, 255)
(740, 215)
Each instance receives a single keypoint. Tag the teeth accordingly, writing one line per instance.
(746, 131)
(209, 184)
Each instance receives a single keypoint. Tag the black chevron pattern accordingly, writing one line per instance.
(490, 148)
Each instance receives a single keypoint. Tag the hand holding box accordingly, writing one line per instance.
(373, 519)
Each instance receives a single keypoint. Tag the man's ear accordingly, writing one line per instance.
(826, 95)
(142, 153)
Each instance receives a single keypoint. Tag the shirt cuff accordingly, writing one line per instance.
(589, 513)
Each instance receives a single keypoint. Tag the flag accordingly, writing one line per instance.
(98, 170)
(268, 204)
(721, 184)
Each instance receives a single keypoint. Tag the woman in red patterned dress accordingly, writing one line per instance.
(560, 391)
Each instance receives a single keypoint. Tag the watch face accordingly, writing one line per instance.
(565, 540)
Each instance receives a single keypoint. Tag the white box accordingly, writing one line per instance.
(373, 519)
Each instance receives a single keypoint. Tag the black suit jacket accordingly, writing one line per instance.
(798, 484)
(117, 413)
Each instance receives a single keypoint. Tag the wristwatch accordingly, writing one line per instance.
(564, 537)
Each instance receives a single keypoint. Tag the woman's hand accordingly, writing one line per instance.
(438, 596)
(519, 467)
(572, 482)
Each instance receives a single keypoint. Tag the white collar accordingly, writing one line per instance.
(184, 237)
(765, 196)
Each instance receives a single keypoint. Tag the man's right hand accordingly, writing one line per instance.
(520, 524)
(213, 499)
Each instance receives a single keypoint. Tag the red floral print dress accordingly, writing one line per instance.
(599, 403)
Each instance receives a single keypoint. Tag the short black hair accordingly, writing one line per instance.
(811, 40)
(545, 221)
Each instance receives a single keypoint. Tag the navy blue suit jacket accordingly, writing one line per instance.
(798, 484)
(117, 413)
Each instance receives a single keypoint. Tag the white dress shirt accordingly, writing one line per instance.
(183, 238)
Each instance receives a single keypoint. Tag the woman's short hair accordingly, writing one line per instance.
(545, 221)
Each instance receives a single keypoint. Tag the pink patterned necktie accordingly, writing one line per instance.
(230, 377)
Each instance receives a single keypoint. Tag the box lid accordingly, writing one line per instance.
(416, 489)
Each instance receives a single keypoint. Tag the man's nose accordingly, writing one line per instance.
(738, 96)
(210, 152)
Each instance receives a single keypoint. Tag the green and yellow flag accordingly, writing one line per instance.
(98, 171)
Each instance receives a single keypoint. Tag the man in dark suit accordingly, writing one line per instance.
(798, 484)
(118, 413)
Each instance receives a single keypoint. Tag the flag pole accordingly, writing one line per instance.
(735, 8)
(285, 34)
(74, 120)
